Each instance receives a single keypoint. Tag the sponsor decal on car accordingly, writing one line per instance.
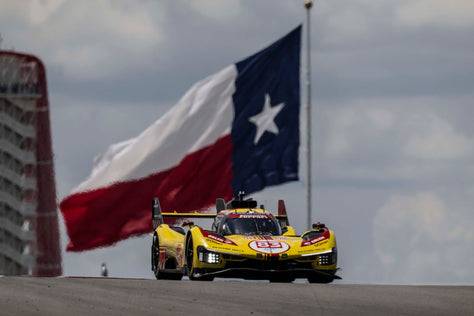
(317, 239)
(269, 246)
(215, 237)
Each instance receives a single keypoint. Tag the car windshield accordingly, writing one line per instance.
(252, 226)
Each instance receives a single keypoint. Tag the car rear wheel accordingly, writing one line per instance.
(155, 254)
(155, 259)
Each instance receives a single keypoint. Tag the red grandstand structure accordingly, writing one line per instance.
(29, 231)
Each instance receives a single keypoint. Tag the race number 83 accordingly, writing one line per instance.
(269, 246)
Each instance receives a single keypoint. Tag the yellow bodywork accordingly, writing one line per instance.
(230, 251)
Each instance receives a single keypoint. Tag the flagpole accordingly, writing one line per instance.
(308, 4)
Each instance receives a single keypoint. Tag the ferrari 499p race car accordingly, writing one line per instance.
(244, 242)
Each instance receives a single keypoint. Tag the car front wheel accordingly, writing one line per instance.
(191, 270)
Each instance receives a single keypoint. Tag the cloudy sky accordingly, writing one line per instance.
(393, 106)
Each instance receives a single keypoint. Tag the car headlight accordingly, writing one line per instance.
(328, 258)
(207, 256)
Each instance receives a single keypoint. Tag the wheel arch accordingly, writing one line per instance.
(194, 233)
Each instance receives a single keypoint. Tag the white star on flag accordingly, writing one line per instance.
(265, 121)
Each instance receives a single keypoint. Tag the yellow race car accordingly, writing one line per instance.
(244, 242)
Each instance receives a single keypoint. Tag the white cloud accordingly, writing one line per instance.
(453, 12)
(217, 10)
(382, 119)
(419, 239)
(132, 22)
(32, 12)
(87, 39)
(347, 22)
(91, 62)
(40, 10)
(339, 141)
(434, 138)
(353, 125)
(114, 37)
(394, 139)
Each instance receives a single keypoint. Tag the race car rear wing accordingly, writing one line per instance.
(282, 216)
(158, 215)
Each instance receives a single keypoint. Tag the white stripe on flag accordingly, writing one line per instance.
(204, 114)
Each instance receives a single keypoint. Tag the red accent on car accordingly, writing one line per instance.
(272, 257)
(163, 258)
(316, 239)
(217, 237)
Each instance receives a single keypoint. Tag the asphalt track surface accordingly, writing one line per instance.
(97, 296)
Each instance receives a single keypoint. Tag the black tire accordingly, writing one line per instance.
(321, 278)
(190, 258)
(155, 254)
(189, 262)
(155, 259)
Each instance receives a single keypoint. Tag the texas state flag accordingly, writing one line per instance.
(236, 130)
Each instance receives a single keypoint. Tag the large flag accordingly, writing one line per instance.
(236, 130)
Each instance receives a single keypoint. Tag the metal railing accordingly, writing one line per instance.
(17, 231)
(22, 259)
(24, 208)
(20, 128)
(27, 157)
(22, 181)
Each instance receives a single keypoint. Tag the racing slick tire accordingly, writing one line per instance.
(155, 263)
(190, 256)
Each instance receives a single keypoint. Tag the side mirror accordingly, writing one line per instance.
(318, 226)
(187, 224)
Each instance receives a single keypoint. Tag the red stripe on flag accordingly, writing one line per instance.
(105, 216)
